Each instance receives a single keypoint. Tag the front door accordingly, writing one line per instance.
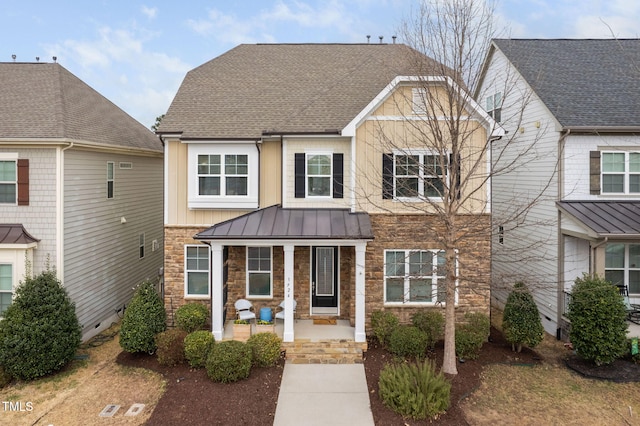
(324, 280)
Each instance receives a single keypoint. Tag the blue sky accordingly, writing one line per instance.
(136, 53)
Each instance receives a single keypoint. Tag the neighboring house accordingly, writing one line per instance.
(80, 192)
(279, 186)
(582, 119)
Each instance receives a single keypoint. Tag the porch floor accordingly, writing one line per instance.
(307, 330)
(634, 330)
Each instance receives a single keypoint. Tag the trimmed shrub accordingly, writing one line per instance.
(432, 324)
(478, 323)
(191, 317)
(521, 322)
(40, 332)
(382, 324)
(170, 347)
(265, 349)
(197, 346)
(408, 341)
(414, 389)
(143, 319)
(598, 326)
(471, 336)
(5, 378)
(229, 361)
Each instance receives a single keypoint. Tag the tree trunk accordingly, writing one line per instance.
(449, 361)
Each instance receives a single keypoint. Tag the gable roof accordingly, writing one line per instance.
(285, 88)
(45, 101)
(583, 83)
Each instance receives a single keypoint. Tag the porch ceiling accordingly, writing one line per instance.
(606, 218)
(277, 223)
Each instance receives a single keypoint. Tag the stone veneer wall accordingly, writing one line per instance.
(416, 232)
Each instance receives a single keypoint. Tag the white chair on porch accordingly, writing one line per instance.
(280, 315)
(244, 310)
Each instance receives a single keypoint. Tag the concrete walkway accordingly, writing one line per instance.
(323, 394)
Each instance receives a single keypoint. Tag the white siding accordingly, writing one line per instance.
(102, 263)
(576, 260)
(524, 180)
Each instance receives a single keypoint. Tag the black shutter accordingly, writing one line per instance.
(299, 175)
(455, 186)
(338, 175)
(23, 182)
(387, 176)
(594, 172)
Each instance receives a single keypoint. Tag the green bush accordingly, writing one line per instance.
(414, 389)
(191, 317)
(265, 349)
(382, 324)
(143, 319)
(432, 324)
(197, 346)
(521, 322)
(229, 361)
(471, 335)
(5, 378)
(170, 346)
(598, 326)
(478, 323)
(408, 341)
(40, 332)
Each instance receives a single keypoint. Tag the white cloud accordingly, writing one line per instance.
(150, 12)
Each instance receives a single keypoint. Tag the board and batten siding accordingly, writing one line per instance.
(529, 248)
(102, 261)
(39, 217)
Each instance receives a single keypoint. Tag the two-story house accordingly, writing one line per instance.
(80, 192)
(576, 107)
(281, 185)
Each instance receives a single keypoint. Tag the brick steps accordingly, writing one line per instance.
(331, 351)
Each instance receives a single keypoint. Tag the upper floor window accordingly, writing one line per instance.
(494, 106)
(414, 276)
(8, 182)
(110, 178)
(259, 272)
(620, 172)
(223, 176)
(414, 175)
(196, 271)
(141, 245)
(622, 265)
(319, 174)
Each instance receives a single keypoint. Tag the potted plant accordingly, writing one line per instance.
(241, 330)
(263, 326)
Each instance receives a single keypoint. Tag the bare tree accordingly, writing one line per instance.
(449, 40)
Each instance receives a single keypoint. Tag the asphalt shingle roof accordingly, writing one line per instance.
(45, 101)
(288, 88)
(606, 218)
(584, 83)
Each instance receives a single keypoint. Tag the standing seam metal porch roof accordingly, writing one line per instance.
(14, 233)
(277, 223)
(606, 218)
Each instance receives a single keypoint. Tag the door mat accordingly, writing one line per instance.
(324, 321)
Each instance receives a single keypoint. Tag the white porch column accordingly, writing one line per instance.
(287, 335)
(360, 335)
(217, 305)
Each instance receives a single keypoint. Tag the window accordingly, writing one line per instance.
(622, 265)
(196, 271)
(8, 182)
(414, 276)
(110, 173)
(141, 245)
(414, 175)
(621, 172)
(223, 176)
(259, 272)
(494, 106)
(6, 287)
(501, 234)
(318, 174)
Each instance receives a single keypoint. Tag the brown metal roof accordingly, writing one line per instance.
(277, 223)
(14, 233)
(606, 218)
(287, 88)
(45, 101)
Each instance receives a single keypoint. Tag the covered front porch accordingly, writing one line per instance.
(313, 259)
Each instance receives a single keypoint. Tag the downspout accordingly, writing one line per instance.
(559, 237)
(258, 143)
(60, 214)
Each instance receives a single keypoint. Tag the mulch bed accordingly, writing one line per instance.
(191, 398)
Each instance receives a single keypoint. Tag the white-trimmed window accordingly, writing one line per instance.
(494, 106)
(259, 274)
(8, 181)
(141, 245)
(196, 271)
(110, 178)
(223, 175)
(319, 174)
(620, 172)
(622, 265)
(419, 175)
(6, 286)
(414, 276)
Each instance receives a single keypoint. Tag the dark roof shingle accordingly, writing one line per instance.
(583, 82)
